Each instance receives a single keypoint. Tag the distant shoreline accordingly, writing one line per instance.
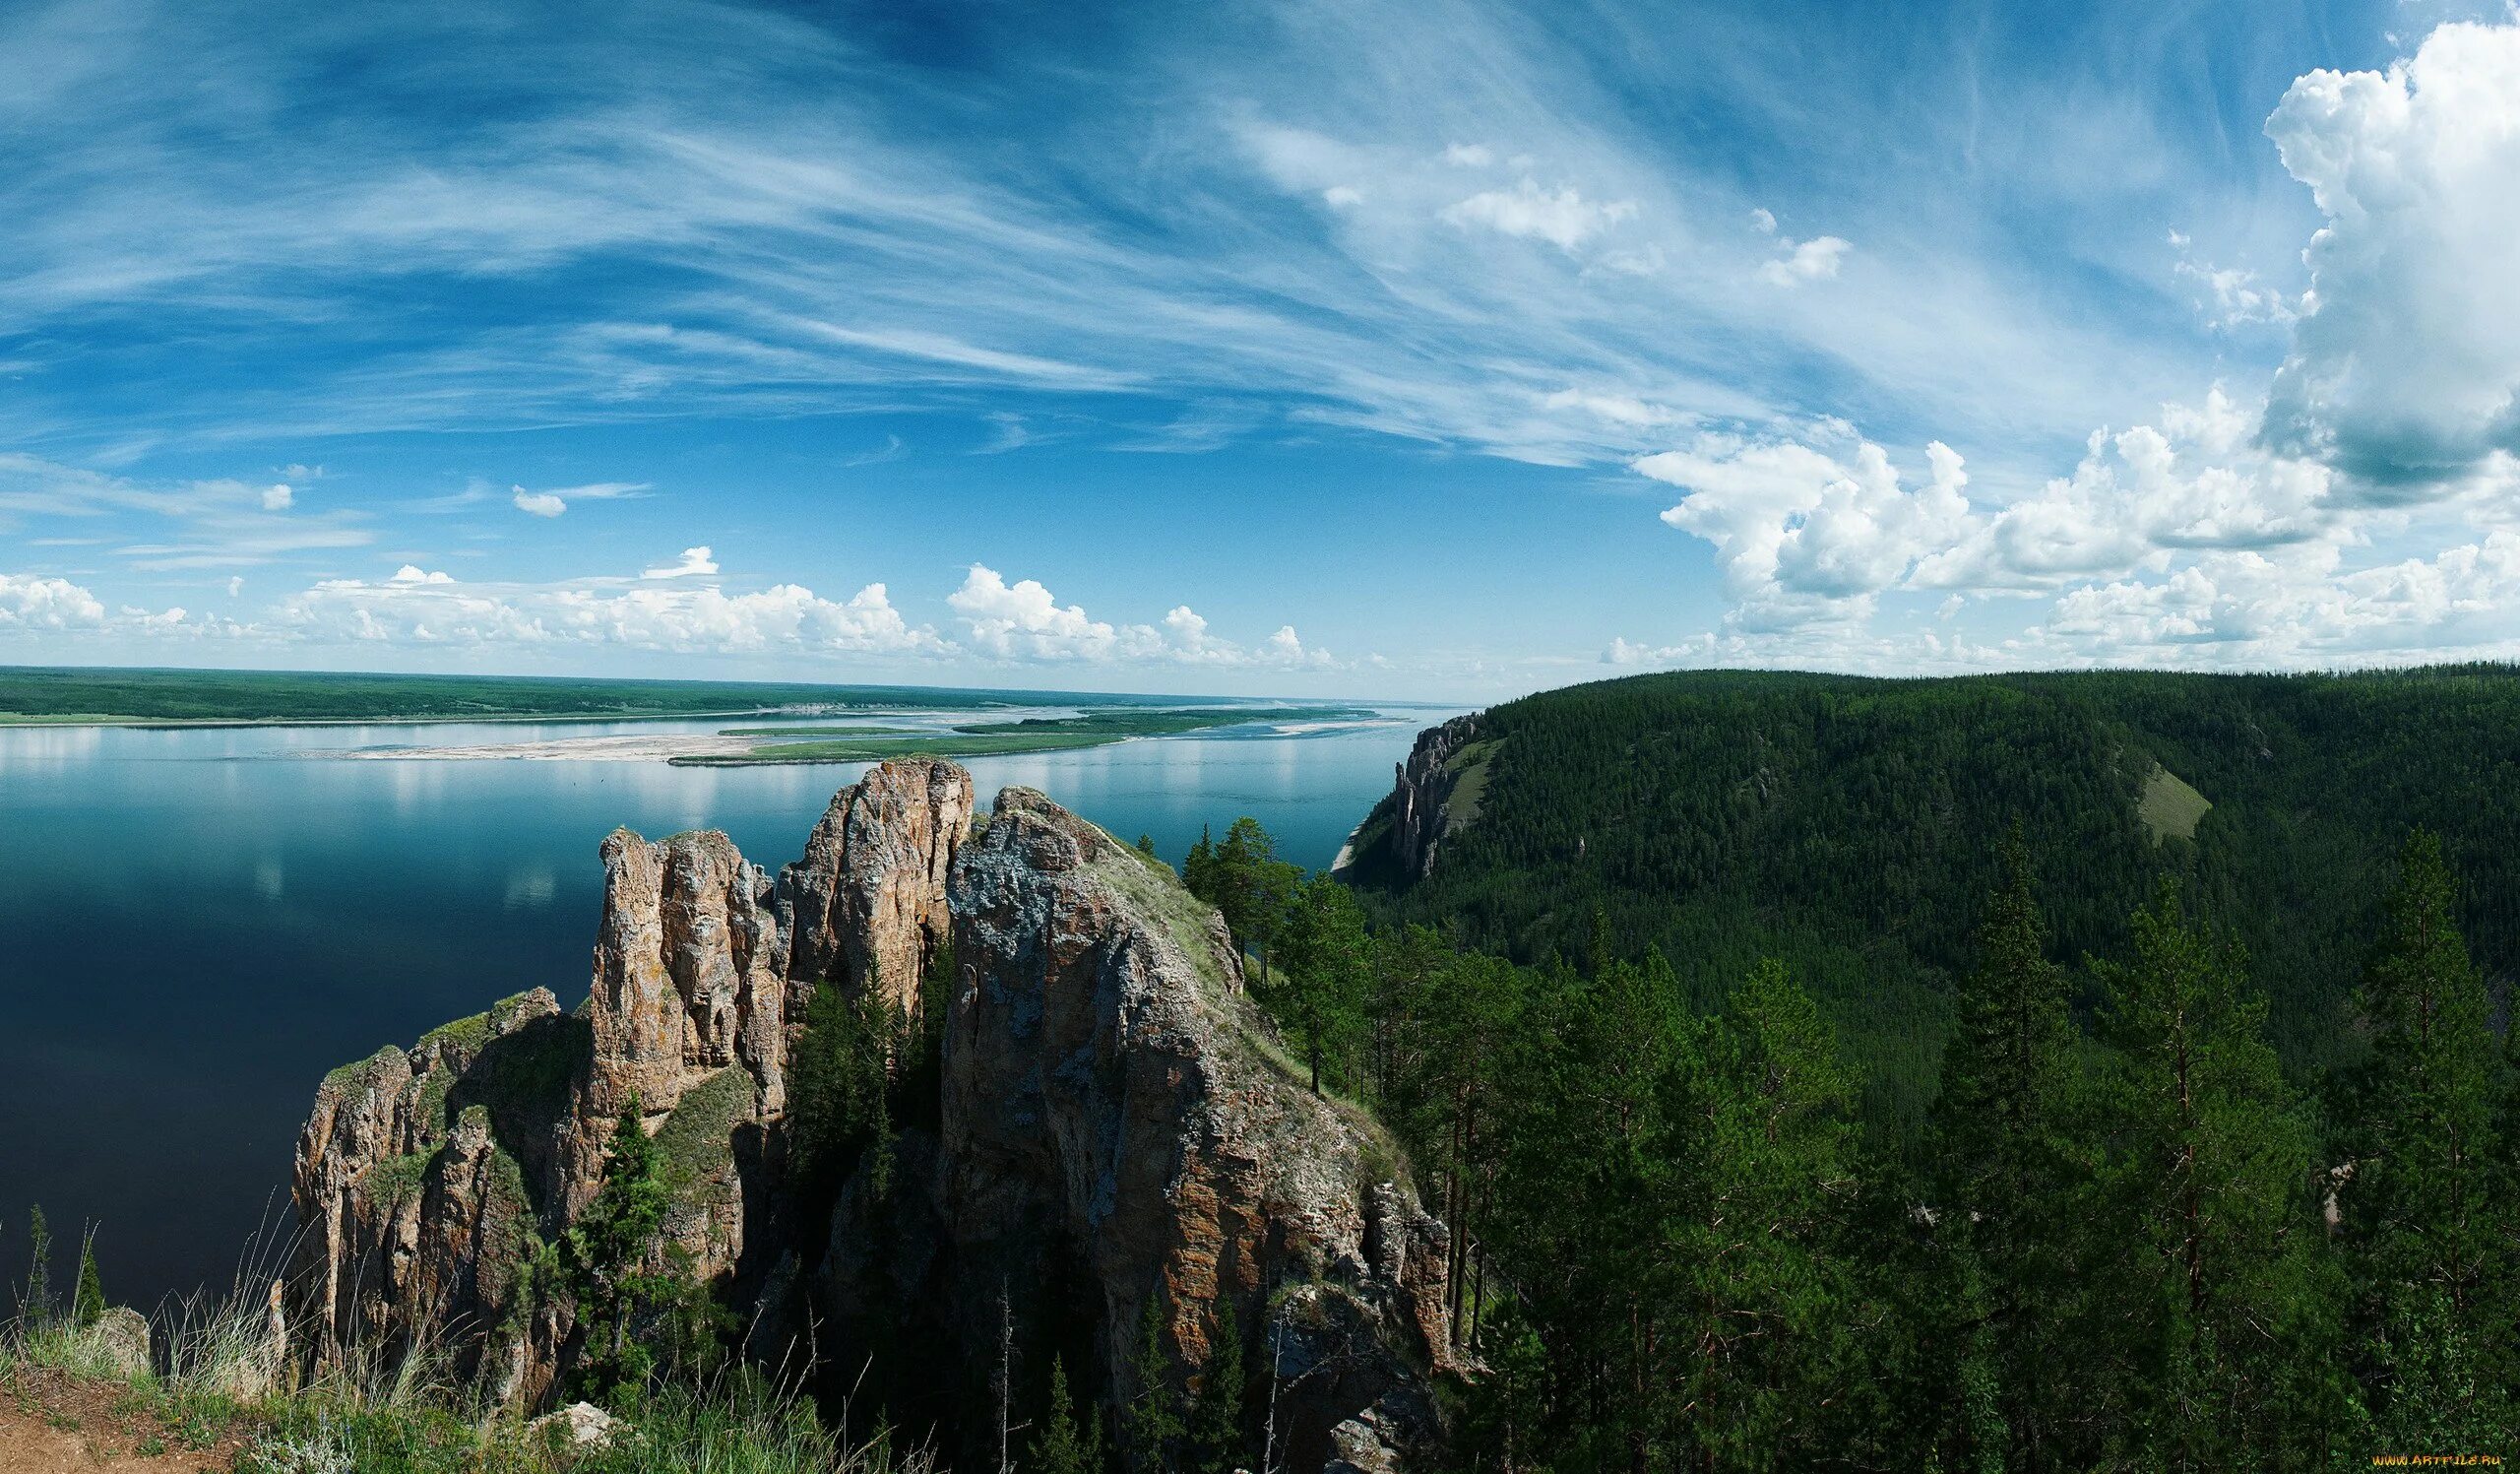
(117, 720)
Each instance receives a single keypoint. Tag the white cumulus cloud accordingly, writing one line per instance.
(695, 562)
(1803, 533)
(30, 603)
(1024, 621)
(2406, 359)
(433, 608)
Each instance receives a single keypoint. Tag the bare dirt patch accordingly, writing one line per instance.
(52, 1423)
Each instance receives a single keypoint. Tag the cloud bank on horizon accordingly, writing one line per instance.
(1485, 346)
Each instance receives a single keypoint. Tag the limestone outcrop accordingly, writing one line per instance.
(867, 907)
(1112, 1139)
(1110, 1097)
(686, 987)
(1422, 791)
(412, 1218)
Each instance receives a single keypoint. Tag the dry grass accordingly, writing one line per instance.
(220, 1396)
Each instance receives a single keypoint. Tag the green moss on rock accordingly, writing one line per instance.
(465, 1034)
(397, 1179)
(359, 1072)
(696, 1141)
(434, 1088)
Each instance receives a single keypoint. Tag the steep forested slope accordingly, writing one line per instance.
(1850, 827)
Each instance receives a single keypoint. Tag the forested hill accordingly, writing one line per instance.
(1850, 827)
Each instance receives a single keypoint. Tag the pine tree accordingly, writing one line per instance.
(1764, 1179)
(2207, 1154)
(1325, 979)
(1145, 845)
(1215, 1417)
(88, 1305)
(1154, 1422)
(1999, 1139)
(1453, 1099)
(1244, 879)
(2425, 1208)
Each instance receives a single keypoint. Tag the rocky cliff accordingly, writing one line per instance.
(1444, 765)
(1116, 1140)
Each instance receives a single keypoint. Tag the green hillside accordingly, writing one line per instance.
(1850, 827)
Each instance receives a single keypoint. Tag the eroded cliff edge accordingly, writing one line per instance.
(1434, 791)
(1116, 1141)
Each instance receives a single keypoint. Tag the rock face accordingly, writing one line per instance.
(867, 907)
(1117, 1120)
(426, 1182)
(412, 1217)
(687, 984)
(1422, 795)
(1115, 1139)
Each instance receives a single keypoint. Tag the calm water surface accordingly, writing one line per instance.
(196, 925)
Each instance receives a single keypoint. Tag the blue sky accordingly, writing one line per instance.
(1414, 350)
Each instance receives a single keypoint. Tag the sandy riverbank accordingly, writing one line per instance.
(628, 748)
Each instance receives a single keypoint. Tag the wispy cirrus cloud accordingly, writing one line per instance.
(556, 501)
(1871, 351)
(174, 524)
(730, 226)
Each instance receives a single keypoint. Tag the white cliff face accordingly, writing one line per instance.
(1113, 1117)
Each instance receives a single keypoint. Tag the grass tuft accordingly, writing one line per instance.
(220, 1388)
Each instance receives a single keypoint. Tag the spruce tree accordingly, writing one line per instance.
(1765, 1179)
(1061, 1447)
(2425, 1208)
(1215, 1417)
(1199, 868)
(605, 1255)
(88, 1305)
(2003, 1182)
(2207, 1156)
(840, 1090)
(1153, 1425)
